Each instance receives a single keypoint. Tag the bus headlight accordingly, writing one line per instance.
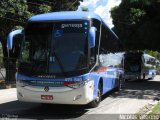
(76, 85)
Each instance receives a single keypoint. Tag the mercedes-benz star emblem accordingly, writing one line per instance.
(46, 89)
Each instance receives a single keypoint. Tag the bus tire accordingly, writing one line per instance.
(96, 102)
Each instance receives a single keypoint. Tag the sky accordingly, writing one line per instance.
(101, 7)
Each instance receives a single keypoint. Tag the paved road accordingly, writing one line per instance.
(135, 96)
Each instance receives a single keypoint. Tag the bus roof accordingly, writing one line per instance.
(67, 15)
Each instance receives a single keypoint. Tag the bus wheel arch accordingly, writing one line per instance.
(98, 99)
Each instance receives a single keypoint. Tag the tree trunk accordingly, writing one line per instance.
(9, 64)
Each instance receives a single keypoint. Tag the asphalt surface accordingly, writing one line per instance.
(136, 95)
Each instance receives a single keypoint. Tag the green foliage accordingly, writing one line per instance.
(158, 70)
(44, 8)
(155, 110)
(12, 13)
(136, 15)
(155, 54)
(65, 5)
(84, 9)
(137, 23)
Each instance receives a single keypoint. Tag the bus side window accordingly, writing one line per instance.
(109, 41)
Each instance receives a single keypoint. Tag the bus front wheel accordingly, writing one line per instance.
(96, 102)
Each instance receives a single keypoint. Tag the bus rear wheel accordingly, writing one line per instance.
(98, 99)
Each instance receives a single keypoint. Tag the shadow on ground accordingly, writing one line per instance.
(22, 110)
(40, 111)
(141, 89)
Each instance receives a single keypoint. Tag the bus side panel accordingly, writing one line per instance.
(109, 84)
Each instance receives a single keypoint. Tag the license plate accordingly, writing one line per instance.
(47, 97)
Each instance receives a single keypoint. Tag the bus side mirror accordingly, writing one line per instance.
(11, 36)
(92, 37)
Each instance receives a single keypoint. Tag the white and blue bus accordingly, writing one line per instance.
(138, 65)
(150, 66)
(60, 59)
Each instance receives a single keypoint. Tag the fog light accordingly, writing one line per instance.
(77, 97)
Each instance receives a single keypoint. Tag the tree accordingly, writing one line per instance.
(137, 23)
(52, 5)
(39, 6)
(153, 53)
(12, 13)
(66, 5)
(84, 9)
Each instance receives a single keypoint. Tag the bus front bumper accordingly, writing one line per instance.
(79, 96)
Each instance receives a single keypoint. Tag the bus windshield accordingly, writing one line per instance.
(54, 48)
(132, 64)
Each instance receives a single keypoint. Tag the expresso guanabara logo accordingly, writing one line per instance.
(71, 26)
